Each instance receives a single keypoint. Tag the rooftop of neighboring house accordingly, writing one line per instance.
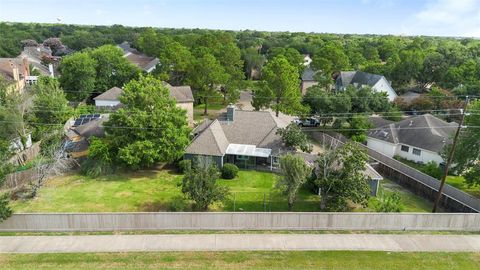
(113, 94)
(247, 128)
(358, 77)
(425, 131)
(181, 94)
(308, 74)
(35, 56)
(143, 61)
(410, 96)
(8, 65)
(378, 121)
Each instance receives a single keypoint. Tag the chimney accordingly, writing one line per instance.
(50, 69)
(26, 67)
(230, 113)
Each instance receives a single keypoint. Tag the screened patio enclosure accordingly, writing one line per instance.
(249, 156)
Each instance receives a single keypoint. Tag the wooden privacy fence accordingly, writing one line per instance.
(19, 179)
(419, 183)
(239, 221)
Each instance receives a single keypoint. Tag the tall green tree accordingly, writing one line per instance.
(5, 210)
(206, 75)
(293, 136)
(467, 154)
(149, 128)
(50, 106)
(294, 174)
(340, 177)
(200, 184)
(280, 89)
(112, 69)
(78, 75)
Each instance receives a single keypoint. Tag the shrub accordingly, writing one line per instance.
(229, 171)
(432, 169)
(389, 203)
(184, 165)
(178, 204)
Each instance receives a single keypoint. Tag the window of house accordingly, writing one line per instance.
(417, 152)
(242, 157)
(405, 148)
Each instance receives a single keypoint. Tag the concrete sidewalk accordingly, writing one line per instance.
(237, 242)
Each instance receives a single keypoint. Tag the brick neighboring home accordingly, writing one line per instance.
(248, 139)
(419, 139)
(142, 61)
(361, 79)
(182, 94)
(16, 72)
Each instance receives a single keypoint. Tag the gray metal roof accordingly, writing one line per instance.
(425, 131)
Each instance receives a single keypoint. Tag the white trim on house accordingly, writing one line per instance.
(106, 103)
(383, 85)
(391, 150)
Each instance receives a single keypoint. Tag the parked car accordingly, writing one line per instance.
(307, 122)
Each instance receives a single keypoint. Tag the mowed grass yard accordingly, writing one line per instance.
(155, 191)
(350, 260)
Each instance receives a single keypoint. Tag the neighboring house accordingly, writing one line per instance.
(409, 97)
(184, 97)
(82, 130)
(361, 79)
(307, 60)
(419, 139)
(182, 94)
(378, 122)
(109, 99)
(245, 138)
(15, 71)
(249, 140)
(37, 56)
(308, 80)
(142, 61)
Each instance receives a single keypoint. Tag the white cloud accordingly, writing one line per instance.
(447, 18)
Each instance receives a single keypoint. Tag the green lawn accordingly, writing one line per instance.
(459, 182)
(455, 181)
(245, 260)
(214, 109)
(410, 201)
(154, 191)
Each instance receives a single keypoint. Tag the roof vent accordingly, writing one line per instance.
(230, 113)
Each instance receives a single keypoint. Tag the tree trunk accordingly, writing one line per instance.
(277, 110)
(290, 206)
(205, 111)
(323, 202)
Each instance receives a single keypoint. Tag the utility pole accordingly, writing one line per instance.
(450, 157)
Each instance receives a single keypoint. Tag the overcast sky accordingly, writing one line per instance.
(409, 17)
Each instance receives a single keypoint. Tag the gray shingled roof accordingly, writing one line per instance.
(425, 131)
(182, 94)
(211, 142)
(362, 78)
(309, 74)
(378, 121)
(248, 127)
(113, 94)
